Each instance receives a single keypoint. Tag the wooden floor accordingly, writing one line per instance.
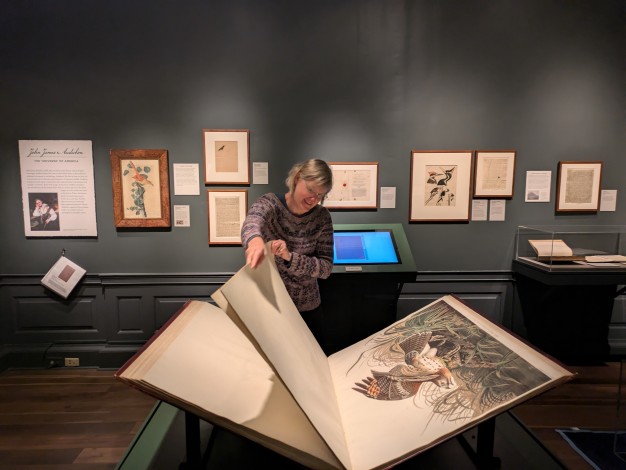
(84, 419)
(590, 401)
(67, 419)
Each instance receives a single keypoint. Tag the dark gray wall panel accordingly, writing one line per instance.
(345, 80)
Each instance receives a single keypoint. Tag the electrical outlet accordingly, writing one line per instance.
(72, 362)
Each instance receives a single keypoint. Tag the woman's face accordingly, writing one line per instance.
(307, 195)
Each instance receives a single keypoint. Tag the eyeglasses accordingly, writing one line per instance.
(319, 196)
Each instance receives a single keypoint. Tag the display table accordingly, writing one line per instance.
(567, 309)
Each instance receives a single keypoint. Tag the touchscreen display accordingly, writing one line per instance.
(365, 247)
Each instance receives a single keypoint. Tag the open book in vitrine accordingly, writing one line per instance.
(252, 366)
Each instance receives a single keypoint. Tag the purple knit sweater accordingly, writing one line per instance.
(309, 238)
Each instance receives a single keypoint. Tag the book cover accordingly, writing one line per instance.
(63, 276)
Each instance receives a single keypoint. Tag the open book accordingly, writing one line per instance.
(252, 366)
(555, 250)
(558, 250)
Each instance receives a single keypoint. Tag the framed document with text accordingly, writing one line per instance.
(578, 186)
(355, 186)
(440, 185)
(494, 173)
(226, 156)
(227, 211)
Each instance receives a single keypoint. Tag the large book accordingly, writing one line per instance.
(251, 365)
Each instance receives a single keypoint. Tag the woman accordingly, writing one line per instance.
(301, 233)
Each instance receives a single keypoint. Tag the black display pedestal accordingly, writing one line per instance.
(357, 305)
(567, 312)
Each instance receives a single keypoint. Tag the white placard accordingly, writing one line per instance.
(58, 196)
(186, 179)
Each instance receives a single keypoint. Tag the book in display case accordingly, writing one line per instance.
(585, 248)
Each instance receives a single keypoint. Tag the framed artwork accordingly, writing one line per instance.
(226, 156)
(578, 186)
(440, 185)
(494, 173)
(355, 186)
(141, 188)
(227, 211)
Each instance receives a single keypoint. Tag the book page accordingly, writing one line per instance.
(429, 376)
(260, 299)
(606, 258)
(551, 248)
(202, 362)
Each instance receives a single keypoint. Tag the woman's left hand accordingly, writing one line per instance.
(279, 248)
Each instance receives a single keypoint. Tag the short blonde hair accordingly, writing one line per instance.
(314, 170)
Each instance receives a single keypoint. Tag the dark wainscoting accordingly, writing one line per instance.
(110, 316)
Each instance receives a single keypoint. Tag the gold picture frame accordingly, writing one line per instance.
(440, 185)
(226, 156)
(355, 186)
(227, 211)
(141, 194)
(578, 186)
(494, 173)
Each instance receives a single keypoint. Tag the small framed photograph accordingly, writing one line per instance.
(355, 186)
(494, 173)
(440, 185)
(227, 210)
(141, 188)
(578, 186)
(226, 156)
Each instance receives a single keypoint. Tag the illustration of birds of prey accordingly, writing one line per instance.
(421, 364)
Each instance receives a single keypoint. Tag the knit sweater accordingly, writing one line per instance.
(309, 239)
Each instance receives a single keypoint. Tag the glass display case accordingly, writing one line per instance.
(572, 247)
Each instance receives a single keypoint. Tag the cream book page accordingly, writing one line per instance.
(551, 248)
(260, 299)
(203, 359)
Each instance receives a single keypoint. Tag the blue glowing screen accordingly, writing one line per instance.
(365, 247)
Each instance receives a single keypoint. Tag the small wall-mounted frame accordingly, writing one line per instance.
(494, 173)
(578, 186)
(141, 188)
(355, 186)
(440, 185)
(227, 211)
(226, 156)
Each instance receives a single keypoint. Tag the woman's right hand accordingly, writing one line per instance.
(256, 252)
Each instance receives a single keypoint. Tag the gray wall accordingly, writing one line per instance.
(343, 80)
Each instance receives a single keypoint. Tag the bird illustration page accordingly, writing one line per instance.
(425, 378)
(432, 374)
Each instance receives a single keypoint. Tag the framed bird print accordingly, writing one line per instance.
(141, 194)
(226, 156)
(440, 185)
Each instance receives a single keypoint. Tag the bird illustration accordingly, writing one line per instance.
(432, 175)
(433, 193)
(221, 148)
(421, 364)
(139, 177)
(444, 181)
